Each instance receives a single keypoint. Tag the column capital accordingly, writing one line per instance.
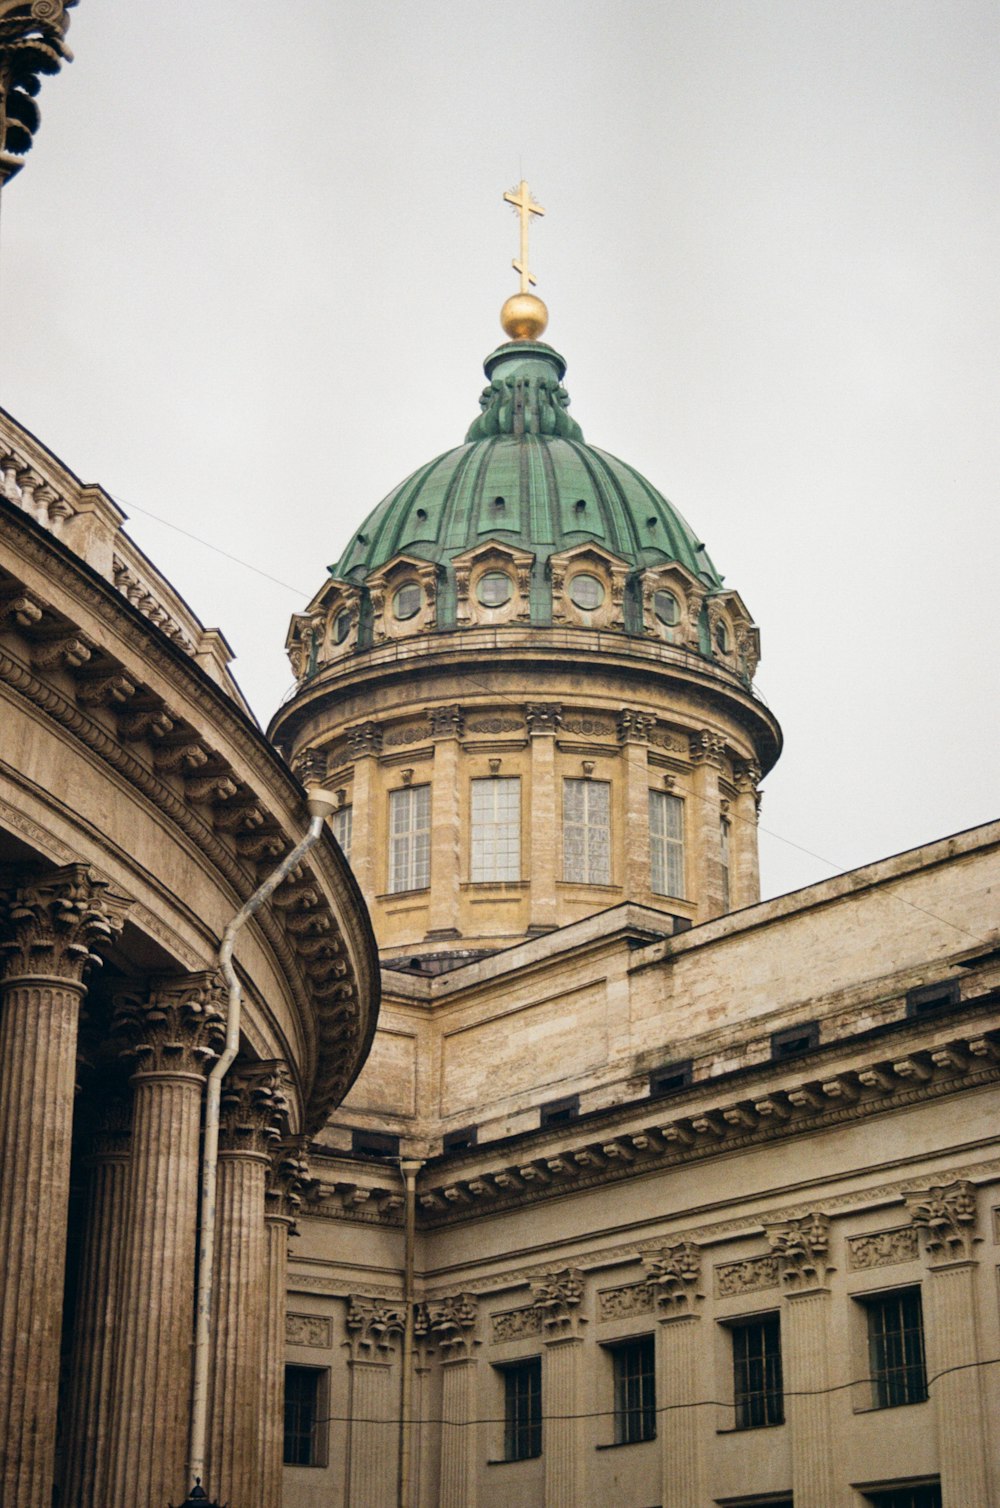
(706, 747)
(673, 1279)
(251, 1110)
(746, 775)
(544, 718)
(50, 924)
(176, 1027)
(365, 738)
(446, 722)
(948, 1216)
(634, 726)
(802, 1248)
(558, 1297)
(373, 1328)
(289, 1170)
(450, 1324)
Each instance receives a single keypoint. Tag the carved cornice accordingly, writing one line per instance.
(176, 1028)
(802, 1249)
(948, 1218)
(51, 924)
(373, 1328)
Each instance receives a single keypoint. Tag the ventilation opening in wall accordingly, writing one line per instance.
(460, 1140)
(375, 1143)
(670, 1077)
(557, 1112)
(795, 1040)
(933, 997)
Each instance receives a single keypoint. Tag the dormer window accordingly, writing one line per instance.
(721, 638)
(406, 603)
(494, 589)
(341, 626)
(586, 592)
(667, 608)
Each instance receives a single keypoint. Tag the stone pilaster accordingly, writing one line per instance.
(365, 744)
(745, 878)
(172, 1035)
(634, 729)
(544, 723)
(288, 1172)
(374, 1329)
(447, 725)
(89, 1412)
(674, 1279)
(802, 1249)
(252, 1105)
(705, 812)
(50, 925)
(947, 1217)
(451, 1325)
(559, 1298)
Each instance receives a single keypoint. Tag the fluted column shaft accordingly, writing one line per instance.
(288, 1170)
(563, 1442)
(372, 1450)
(745, 879)
(96, 1305)
(680, 1429)
(806, 1349)
(952, 1342)
(458, 1434)
(705, 816)
(47, 929)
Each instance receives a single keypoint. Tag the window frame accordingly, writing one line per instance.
(415, 869)
(344, 817)
(585, 827)
(725, 862)
(495, 834)
(668, 847)
(318, 1433)
(902, 1382)
(761, 1407)
(522, 1436)
(633, 1383)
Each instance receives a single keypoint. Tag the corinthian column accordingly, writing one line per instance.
(674, 1279)
(745, 878)
(50, 926)
(172, 1035)
(374, 1328)
(947, 1216)
(451, 1323)
(96, 1304)
(802, 1248)
(288, 1172)
(559, 1297)
(252, 1103)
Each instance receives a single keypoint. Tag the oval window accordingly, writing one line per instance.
(667, 608)
(406, 603)
(494, 589)
(341, 626)
(722, 638)
(586, 592)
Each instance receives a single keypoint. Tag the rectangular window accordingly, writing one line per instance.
(928, 1495)
(896, 1349)
(724, 827)
(634, 1365)
(522, 1410)
(496, 830)
(587, 832)
(305, 1424)
(757, 1389)
(558, 1112)
(410, 838)
(666, 843)
(343, 826)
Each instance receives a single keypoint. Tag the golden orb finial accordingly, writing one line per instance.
(524, 316)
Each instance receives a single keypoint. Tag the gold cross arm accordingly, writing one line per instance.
(522, 201)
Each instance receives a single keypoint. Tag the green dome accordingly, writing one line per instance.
(525, 477)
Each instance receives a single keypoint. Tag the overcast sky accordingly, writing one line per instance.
(251, 270)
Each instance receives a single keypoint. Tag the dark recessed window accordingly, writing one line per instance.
(757, 1388)
(795, 1040)
(933, 997)
(670, 1077)
(406, 603)
(557, 1112)
(928, 1495)
(341, 627)
(461, 1140)
(896, 1349)
(634, 1369)
(722, 638)
(494, 589)
(667, 608)
(522, 1410)
(375, 1143)
(305, 1422)
(586, 592)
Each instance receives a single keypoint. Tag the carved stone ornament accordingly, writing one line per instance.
(366, 738)
(252, 1107)
(51, 923)
(373, 1328)
(515, 1324)
(446, 722)
(558, 1297)
(310, 765)
(882, 1248)
(543, 719)
(32, 43)
(307, 1330)
(287, 1174)
(450, 1323)
(625, 1302)
(706, 747)
(746, 776)
(178, 1027)
(802, 1249)
(752, 1275)
(948, 1216)
(634, 727)
(674, 1275)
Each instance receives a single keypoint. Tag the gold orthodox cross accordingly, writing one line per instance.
(526, 207)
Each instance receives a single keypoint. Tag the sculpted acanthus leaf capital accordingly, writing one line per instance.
(673, 1277)
(252, 1108)
(558, 1297)
(373, 1327)
(51, 924)
(802, 1248)
(450, 1324)
(176, 1027)
(948, 1216)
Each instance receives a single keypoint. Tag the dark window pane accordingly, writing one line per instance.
(302, 1394)
(928, 1496)
(757, 1385)
(523, 1410)
(635, 1390)
(896, 1349)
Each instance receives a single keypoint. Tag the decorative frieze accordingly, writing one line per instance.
(948, 1217)
(496, 725)
(515, 1324)
(307, 1330)
(373, 1328)
(751, 1275)
(882, 1248)
(802, 1248)
(589, 727)
(624, 1302)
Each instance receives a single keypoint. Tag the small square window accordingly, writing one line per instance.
(758, 1396)
(634, 1370)
(933, 997)
(375, 1143)
(522, 1409)
(461, 1140)
(305, 1416)
(795, 1040)
(557, 1112)
(670, 1077)
(896, 1348)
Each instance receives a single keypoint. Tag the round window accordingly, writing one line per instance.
(586, 592)
(406, 603)
(341, 626)
(667, 608)
(722, 638)
(494, 589)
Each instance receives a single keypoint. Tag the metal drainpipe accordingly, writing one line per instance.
(409, 1169)
(319, 805)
